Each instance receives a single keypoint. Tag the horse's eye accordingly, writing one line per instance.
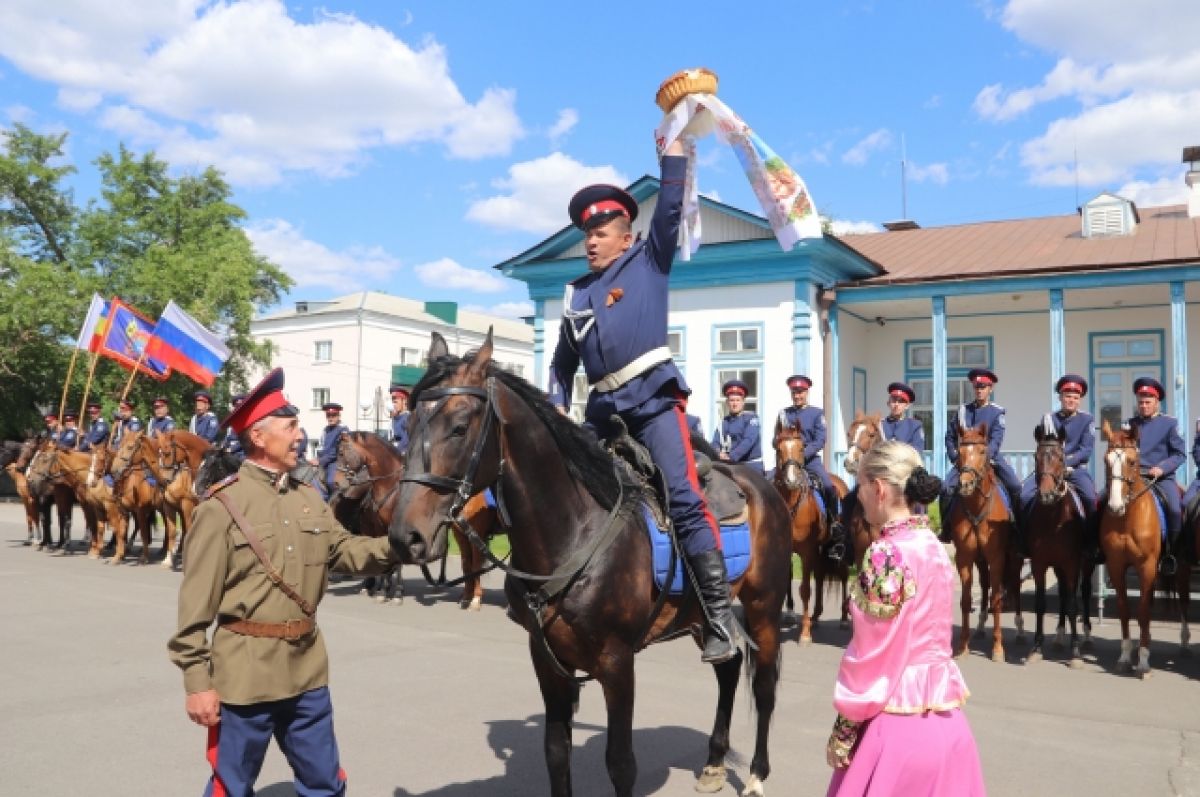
(459, 430)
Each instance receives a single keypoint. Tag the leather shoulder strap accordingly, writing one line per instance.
(257, 547)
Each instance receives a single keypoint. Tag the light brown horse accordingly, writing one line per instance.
(863, 434)
(1055, 532)
(1130, 537)
(100, 509)
(135, 494)
(980, 526)
(16, 471)
(809, 532)
(174, 458)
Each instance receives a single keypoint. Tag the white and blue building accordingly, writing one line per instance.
(1104, 292)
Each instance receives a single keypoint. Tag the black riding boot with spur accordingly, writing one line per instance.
(708, 570)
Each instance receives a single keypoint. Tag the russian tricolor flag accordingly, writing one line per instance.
(185, 345)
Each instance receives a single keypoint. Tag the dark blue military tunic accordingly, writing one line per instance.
(1161, 446)
(616, 316)
(972, 415)
(740, 436)
(132, 423)
(810, 421)
(67, 438)
(1079, 430)
(1194, 487)
(97, 435)
(328, 457)
(400, 431)
(161, 425)
(205, 426)
(906, 430)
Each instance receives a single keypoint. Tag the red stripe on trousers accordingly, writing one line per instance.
(693, 477)
(214, 738)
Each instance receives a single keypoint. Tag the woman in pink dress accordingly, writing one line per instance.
(900, 728)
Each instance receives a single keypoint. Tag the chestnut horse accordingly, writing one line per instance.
(863, 434)
(1130, 536)
(174, 458)
(980, 526)
(1055, 530)
(581, 580)
(135, 495)
(48, 490)
(100, 510)
(367, 481)
(16, 470)
(809, 531)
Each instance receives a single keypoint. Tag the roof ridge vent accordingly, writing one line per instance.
(1108, 216)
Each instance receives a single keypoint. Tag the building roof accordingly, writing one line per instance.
(411, 309)
(1164, 236)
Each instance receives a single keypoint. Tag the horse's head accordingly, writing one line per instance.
(1049, 460)
(216, 465)
(453, 450)
(28, 448)
(861, 437)
(789, 458)
(128, 452)
(1122, 466)
(973, 464)
(350, 477)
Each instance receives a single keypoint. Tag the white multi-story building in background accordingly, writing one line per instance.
(352, 348)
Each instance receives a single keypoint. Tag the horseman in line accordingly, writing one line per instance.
(204, 422)
(972, 414)
(809, 420)
(739, 439)
(615, 323)
(1078, 432)
(97, 431)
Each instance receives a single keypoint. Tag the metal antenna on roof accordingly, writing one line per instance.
(1075, 156)
(903, 178)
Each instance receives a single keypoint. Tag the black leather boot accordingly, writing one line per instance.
(944, 516)
(836, 551)
(708, 571)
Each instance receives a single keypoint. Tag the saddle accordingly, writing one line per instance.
(725, 499)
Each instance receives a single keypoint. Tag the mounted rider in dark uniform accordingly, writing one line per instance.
(1160, 453)
(739, 438)
(97, 431)
(162, 422)
(204, 422)
(810, 421)
(615, 323)
(400, 415)
(334, 428)
(68, 436)
(125, 420)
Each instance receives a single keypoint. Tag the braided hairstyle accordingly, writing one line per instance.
(899, 465)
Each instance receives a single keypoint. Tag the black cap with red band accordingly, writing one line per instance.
(599, 204)
(266, 398)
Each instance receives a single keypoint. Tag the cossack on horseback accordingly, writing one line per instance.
(1077, 430)
(739, 438)
(204, 422)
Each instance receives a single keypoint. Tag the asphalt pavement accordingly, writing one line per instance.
(434, 701)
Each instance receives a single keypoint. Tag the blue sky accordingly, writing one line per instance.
(409, 146)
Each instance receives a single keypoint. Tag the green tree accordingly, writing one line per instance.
(148, 238)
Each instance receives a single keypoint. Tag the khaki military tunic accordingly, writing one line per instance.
(223, 580)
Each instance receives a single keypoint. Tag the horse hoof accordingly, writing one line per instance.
(754, 788)
(364, 591)
(1123, 667)
(1033, 657)
(464, 604)
(712, 780)
(997, 655)
(380, 599)
(805, 639)
(787, 621)
(1143, 675)
(167, 564)
(93, 555)
(476, 604)
(396, 601)
(1076, 663)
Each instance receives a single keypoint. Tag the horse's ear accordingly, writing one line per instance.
(1106, 430)
(981, 429)
(875, 417)
(483, 356)
(437, 347)
(858, 414)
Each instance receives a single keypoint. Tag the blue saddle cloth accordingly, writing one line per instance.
(735, 544)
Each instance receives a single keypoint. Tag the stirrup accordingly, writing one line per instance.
(836, 552)
(1168, 565)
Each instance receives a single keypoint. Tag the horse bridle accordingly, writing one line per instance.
(1060, 480)
(862, 450)
(1128, 481)
(360, 476)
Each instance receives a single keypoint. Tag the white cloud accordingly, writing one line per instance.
(538, 192)
(567, 119)
(17, 113)
(249, 88)
(713, 195)
(312, 264)
(1166, 190)
(515, 310)
(847, 227)
(859, 154)
(446, 273)
(934, 172)
(1130, 68)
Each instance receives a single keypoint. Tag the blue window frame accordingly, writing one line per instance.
(962, 354)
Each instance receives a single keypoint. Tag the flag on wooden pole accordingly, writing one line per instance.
(185, 345)
(93, 325)
(125, 340)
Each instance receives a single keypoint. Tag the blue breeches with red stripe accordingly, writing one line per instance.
(660, 424)
(303, 728)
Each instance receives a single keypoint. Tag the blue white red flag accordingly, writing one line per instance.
(185, 345)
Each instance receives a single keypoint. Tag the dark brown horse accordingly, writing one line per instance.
(1055, 530)
(809, 532)
(1130, 537)
(980, 526)
(367, 483)
(48, 489)
(581, 579)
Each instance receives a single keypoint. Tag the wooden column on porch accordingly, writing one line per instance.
(939, 385)
(1179, 363)
(1058, 341)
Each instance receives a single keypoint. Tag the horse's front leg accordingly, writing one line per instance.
(617, 680)
(765, 684)
(170, 530)
(966, 570)
(1146, 576)
(713, 776)
(1039, 610)
(558, 697)
(1086, 574)
(1068, 580)
(996, 564)
(1116, 575)
(806, 622)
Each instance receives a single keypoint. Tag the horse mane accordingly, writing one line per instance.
(586, 461)
(703, 446)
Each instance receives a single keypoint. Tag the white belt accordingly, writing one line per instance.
(608, 384)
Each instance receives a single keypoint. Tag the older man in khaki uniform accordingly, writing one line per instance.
(257, 560)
